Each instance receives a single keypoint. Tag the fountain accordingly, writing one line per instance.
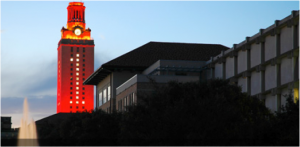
(27, 132)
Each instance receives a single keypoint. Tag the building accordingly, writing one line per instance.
(75, 63)
(6, 131)
(266, 64)
(114, 73)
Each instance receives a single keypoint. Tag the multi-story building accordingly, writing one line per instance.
(75, 63)
(117, 71)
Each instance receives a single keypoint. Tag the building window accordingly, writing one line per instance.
(71, 59)
(77, 83)
(71, 69)
(76, 107)
(83, 98)
(82, 93)
(77, 64)
(71, 78)
(71, 55)
(83, 65)
(77, 59)
(77, 88)
(71, 73)
(71, 49)
(83, 55)
(77, 73)
(71, 83)
(71, 93)
(83, 60)
(83, 74)
(82, 107)
(77, 55)
(70, 97)
(83, 69)
(100, 98)
(77, 102)
(104, 96)
(83, 79)
(77, 69)
(71, 102)
(71, 88)
(77, 97)
(77, 78)
(83, 102)
(77, 49)
(83, 49)
(83, 88)
(71, 107)
(108, 93)
(77, 92)
(71, 64)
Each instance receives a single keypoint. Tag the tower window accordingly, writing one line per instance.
(71, 49)
(77, 69)
(77, 83)
(77, 49)
(77, 106)
(83, 102)
(70, 97)
(77, 55)
(83, 98)
(77, 88)
(82, 107)
(71, 74)
(77, 64)
(71, 83)
(71, 102)
(82, 93)
(71, 64)
(83, 69)
(83, 60)
(78, 60)
(77, 103)
(77, 73)
(83, 79)
(83, 49)
(71, 107)
(71, 78)
(83, 55)
(71, 55)
(83, 74)
(77, 92)
(71, 93)
(71, 59)
(71, 88)
(83, 88)
(83, 65)
(77, 78)
(71, 69)
(77, 97)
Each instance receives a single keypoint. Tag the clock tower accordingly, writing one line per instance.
(75, 63)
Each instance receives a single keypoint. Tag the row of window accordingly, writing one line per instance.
(77, 97)
(83, 49)
(77, 78)
(77, 102)
(77, 59)
(77, 69)
(77, 88)
(77, 74)
(77, 64)
(126, 101)
(104, 95)
(77, 92)
(76, 107)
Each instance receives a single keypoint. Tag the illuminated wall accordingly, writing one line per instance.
(75, 63)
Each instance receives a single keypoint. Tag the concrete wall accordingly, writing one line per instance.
(243, 83)
(286, 70)
(270, 47)
(270, 77)
(242, 61)
(229, 67)
(218, 70)
(255, 82)
(286, 39)
(255, 54)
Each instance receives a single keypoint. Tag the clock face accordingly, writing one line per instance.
(77, 32)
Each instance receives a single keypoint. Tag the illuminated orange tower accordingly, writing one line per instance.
(75, 63)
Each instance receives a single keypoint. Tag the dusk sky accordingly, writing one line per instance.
(30, 32)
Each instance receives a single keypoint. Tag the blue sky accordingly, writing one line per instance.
(30, 32)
